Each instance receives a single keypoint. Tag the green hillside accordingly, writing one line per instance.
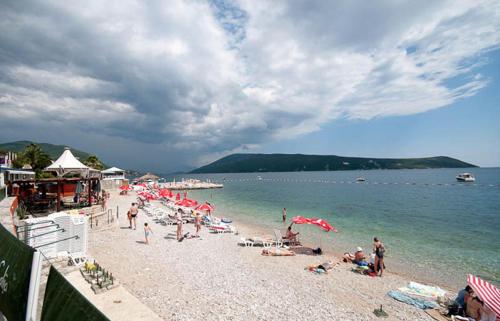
(248, 163)
(54, 151)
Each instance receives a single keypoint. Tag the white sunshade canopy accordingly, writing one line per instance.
(67, 163)
(112, 170)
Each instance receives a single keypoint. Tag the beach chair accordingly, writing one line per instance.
(279, 239)
(247, 242)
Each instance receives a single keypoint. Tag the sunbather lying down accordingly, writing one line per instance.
(323, 267)
(277, 252)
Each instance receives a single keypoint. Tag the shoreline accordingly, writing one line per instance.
(212, 278)
(328, 252)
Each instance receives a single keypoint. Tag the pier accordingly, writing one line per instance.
(190, 184)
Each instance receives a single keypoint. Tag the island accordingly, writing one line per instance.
(250, 163)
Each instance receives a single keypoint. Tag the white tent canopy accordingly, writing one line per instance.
(67, 163)
(112, 170)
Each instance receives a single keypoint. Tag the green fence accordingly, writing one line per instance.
(15, 272)
(63, 302)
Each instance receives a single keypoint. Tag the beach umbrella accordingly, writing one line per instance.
(314, 221)
(205, 207)
(301, 220)
(487, 292)
(187, 203)
(165, 192)
(178, 196)
(323, 224)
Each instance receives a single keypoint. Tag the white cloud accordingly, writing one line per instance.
(214, 77)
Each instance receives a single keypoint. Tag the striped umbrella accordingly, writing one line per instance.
(487, 292)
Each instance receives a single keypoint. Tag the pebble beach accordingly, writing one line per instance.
(213, 278)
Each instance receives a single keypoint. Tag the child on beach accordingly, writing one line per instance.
(147, 231)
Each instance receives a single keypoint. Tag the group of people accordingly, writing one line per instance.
(376, 262)
(132, 219)
(470, 307)
(134, 211)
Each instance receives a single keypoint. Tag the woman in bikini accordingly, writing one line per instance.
(379, 250)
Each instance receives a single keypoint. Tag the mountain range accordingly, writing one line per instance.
(248, 163)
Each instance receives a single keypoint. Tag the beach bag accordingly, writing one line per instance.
(317, 251)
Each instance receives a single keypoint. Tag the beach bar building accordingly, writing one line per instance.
(113, 178)
(75, 185)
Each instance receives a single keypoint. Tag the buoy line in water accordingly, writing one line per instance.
(465, 184)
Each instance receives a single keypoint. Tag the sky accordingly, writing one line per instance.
(171, 85)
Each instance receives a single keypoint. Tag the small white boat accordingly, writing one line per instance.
(466, 177)
(360, 179)
(259, 178)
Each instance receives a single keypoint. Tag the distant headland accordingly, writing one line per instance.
(250, 163)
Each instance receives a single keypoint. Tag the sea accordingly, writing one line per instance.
(435, 229)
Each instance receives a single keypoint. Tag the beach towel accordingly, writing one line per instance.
(419, 303)
(427, 291)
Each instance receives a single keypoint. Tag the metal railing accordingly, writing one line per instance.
(106, 217)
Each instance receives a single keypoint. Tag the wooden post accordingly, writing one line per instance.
(58, 205)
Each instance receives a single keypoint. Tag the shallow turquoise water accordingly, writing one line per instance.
(432, 226)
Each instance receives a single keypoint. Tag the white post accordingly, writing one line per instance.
(36, 271)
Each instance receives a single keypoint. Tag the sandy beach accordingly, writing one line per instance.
(212, 278)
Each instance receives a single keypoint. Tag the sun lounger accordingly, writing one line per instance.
(222, 228)
(246, 242)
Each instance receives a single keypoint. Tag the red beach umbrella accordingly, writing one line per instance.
(315, 221)
(178, 196)
(187, 203)
(323, 224)
(205, 207)
(487, 292)
(164, 192)
(301, 220)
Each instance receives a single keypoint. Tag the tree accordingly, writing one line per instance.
(94, 162)
(34, 156)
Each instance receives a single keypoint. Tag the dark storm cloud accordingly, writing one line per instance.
(188, 81)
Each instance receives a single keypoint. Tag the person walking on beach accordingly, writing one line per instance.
(134, 210)
(178, 217)
(197, 223)
(379, 250)
(284, 215)
(147, 231)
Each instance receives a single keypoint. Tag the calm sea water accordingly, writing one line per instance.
(432, 226)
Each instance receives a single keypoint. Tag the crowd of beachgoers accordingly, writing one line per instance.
(215, 271)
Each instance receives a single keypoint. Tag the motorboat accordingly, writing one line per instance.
(466, 177)
(360, 179)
